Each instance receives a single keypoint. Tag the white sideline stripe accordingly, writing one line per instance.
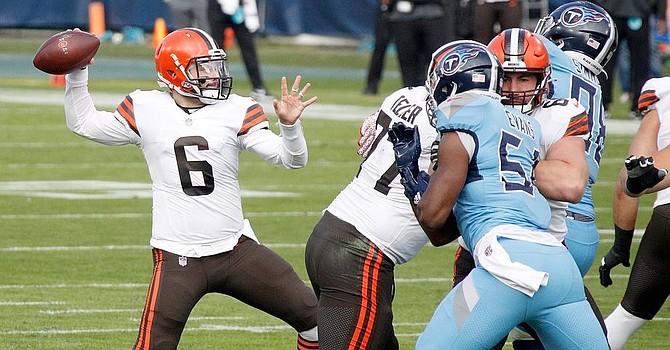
(30, 303)
(142, 215)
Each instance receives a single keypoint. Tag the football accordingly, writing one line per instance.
(66, 51)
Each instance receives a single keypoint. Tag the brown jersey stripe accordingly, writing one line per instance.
(144, 336)
(254, 116)
(578, 125)
(368, 311)
(127, 110)
(647, 98)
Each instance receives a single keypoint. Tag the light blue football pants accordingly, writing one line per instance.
(481, 310)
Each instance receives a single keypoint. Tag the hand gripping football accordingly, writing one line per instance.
(66, 51)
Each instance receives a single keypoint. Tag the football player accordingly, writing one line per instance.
(581, 38)
(649, 282)
(525, 61)
(191, 136)
(486, 158)
(367, 230)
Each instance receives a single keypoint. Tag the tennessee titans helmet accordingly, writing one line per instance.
(460, 66)
(584, 31)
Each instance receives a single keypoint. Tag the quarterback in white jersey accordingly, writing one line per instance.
(191, 137)
(367, 230)
(649, 282)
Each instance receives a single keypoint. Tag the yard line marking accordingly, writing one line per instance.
(142, 215)
(144, 285)
(208, 327)
(252, 329)
(87, 311)
(67, 331)
(14, 166)
(73, 216)
(119, 247)
(423, 280)
(83, 189)
(49, 145)
(80, 248)
(74, 286)
(30, 303)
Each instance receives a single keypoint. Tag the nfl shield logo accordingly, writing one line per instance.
(183, 261)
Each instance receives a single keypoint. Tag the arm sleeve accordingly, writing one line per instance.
(288, 150)
(83, 119)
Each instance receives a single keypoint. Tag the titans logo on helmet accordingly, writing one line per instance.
(577, 15)
(457, 59)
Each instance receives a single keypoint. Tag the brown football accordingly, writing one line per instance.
(66, 51)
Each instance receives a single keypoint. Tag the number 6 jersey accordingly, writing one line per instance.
(193, 159)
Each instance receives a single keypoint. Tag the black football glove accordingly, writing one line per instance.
(407, 150)
(642, 174)
(618, 254)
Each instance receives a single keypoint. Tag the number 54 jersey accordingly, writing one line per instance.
(374, 201)
(192, 158)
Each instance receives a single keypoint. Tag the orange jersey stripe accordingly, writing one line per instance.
(254, 116)
(578, 125)
(144, 338)
(373, 297)
(127, 110)
(368, 301)
(647, 98)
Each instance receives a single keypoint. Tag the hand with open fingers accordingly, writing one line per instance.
(291, 105)
(642, 174)
(609, 261)
(367, 135)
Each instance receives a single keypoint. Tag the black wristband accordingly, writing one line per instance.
(622, 240)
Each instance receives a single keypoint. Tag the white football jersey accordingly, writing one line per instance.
(374, 202)
(560, 118)
(193, 159)
(656, 95)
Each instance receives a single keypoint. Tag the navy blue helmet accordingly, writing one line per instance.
(460, 66)
(584, 31)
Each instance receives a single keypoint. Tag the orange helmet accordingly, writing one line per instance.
(520, 50)
(190, 62)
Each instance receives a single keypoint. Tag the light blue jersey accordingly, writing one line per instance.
(499, 189)
(571, 79)
(500, 207)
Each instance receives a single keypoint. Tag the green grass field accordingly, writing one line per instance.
(75, 221)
